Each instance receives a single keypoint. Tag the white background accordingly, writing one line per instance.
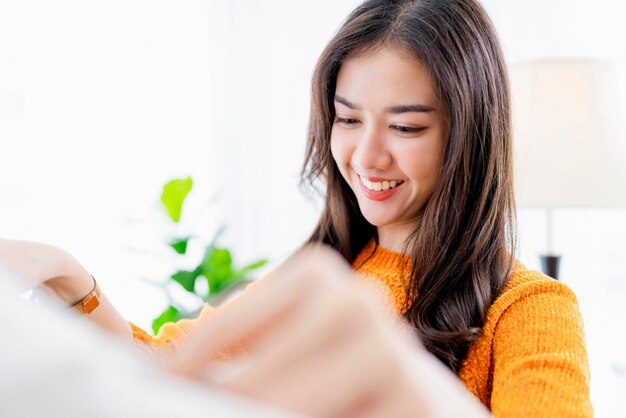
(103, 101)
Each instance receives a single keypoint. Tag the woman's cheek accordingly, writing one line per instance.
(335, 149)
(341, 149)
(337, 157)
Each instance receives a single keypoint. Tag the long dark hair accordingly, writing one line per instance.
(462, 249)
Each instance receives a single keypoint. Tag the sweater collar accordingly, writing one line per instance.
(375, 255)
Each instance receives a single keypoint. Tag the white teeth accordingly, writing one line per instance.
(378, 186)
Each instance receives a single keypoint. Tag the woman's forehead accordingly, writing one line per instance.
(385, 77)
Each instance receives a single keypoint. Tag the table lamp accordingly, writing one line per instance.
(568, 148)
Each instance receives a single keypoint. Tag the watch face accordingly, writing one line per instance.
(91, 304)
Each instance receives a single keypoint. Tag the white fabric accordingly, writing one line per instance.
(52, 365)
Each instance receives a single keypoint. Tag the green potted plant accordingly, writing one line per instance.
(216, 267)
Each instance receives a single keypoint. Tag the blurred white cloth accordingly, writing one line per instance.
(53, 365)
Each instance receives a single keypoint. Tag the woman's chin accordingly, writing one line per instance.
(377, 220)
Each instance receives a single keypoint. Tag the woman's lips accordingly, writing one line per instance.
(378, 184)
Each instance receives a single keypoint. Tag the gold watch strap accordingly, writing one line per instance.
(90, 302)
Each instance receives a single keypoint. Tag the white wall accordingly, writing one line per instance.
(102, 101)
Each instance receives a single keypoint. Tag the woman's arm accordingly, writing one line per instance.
(539, 355)
(61, 274)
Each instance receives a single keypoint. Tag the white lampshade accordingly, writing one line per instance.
(569, 151)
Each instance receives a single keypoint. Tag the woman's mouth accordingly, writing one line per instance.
(377, 188)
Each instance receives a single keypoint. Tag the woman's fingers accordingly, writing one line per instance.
(318, 343)
(247, 318)
(328, 318)
(340, 353)
(327, 384)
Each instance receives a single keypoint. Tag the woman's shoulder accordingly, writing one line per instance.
(531, 287)
(525, 282)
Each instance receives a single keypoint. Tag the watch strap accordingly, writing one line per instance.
(90, 302)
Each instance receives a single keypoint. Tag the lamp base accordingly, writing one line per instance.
(550, 265)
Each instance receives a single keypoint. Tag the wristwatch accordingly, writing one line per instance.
(90, 302)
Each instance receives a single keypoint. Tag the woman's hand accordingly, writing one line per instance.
(42, 264)
(319, 343)
(62, 275)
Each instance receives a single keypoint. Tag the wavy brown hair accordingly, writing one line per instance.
(463, 244)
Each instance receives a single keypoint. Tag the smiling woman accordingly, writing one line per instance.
(388, 141)
(454, 212)
(410, 132)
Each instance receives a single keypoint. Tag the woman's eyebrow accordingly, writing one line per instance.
(392, 109)
(346, 102)
(410, 108)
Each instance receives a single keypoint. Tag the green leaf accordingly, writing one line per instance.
(187, 279)
(217, 267)
(170, 314)
(253, 266)
(173, 196)
(179, 244)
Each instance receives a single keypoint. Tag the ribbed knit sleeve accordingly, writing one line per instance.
(540, 366)
(173, 333)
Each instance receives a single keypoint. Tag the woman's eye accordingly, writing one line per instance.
(346, 121)
(407, 129)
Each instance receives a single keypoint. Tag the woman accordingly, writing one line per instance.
(410, 131)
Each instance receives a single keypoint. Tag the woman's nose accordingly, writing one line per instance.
(372, 151)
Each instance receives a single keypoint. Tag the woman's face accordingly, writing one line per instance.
(388, 138)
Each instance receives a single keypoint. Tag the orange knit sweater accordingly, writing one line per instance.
(530, 360)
